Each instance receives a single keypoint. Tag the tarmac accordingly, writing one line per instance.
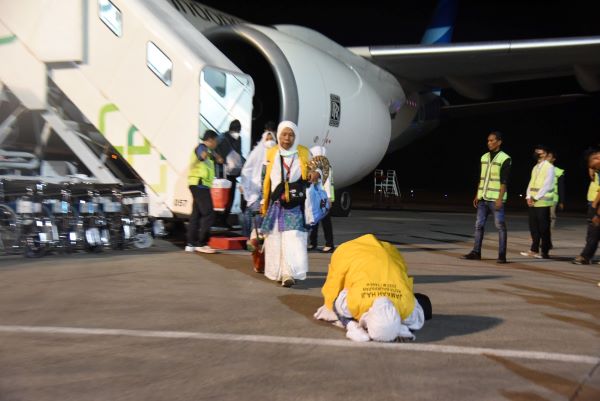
(162, 324)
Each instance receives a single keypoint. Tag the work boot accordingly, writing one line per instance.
(471, 256)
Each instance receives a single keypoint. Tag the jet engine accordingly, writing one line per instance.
(338, 99)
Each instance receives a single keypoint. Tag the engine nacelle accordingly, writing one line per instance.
(330, 98)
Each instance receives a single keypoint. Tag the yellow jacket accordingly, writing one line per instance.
(369, 268)
(303, 156)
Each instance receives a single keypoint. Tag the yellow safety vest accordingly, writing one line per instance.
(537, 181)
(489, 181)
(593, 188)
(202, 172)
(303, 156)
(558, 172)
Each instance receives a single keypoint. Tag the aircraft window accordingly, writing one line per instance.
(111, 16)
(216, 79)
(159, 63)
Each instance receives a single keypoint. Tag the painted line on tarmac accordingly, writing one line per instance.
(443, 349)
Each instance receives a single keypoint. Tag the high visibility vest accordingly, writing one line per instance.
(558, 172)
(538, 177)
(593, 188)
(202, 172)
(489, 181)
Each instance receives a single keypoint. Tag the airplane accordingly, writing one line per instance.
(149, 76)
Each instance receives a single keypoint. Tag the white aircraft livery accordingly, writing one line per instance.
(141, 80)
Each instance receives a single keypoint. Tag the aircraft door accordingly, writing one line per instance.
(224, 97)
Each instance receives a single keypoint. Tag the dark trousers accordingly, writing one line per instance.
(539, 226)
(202, 218)
(327, 230)
(592, 236)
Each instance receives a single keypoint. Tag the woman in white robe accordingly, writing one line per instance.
(286, 258)
(252, 178)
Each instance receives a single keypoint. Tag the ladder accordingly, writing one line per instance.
(385, 183)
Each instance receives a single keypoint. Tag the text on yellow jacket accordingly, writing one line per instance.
(369, 268)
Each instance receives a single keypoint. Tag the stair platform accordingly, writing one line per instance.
(228, 243)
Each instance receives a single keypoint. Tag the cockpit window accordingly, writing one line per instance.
(111, 16)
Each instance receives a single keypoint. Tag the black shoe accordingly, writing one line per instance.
(311, 248)
(501, 259)
(580, 260)
(471, 256)
(328, 249)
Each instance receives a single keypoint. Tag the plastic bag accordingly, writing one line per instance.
(316, 205)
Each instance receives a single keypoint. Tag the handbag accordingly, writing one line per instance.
(258, 249)
(317, 205)
(295, 191)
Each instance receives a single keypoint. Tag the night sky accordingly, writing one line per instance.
(450, 155)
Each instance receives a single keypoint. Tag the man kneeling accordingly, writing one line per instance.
(369, 292)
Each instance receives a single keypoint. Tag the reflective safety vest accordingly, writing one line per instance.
(538, 177)
(558, 172)
(593, 188)
(489, 181)
(202, 172)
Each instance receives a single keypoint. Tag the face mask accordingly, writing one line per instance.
(269, 144)
(235, 135)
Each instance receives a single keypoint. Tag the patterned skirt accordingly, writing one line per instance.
(285, 219)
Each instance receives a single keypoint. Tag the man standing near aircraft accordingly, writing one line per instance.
(540, 197)
(200, 178)
(230, 149)
(491, 195)
(593, 229)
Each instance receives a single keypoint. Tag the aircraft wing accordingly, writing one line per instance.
(471, 68)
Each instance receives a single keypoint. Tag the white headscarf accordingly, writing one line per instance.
(293, 149)
(383, 321)
(252, 171)
(318, 151)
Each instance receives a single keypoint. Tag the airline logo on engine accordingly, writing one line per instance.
(335, 110)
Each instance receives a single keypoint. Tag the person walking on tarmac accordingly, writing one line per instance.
(230, 150)
(200, 178)
(540, 197)
(491, 195)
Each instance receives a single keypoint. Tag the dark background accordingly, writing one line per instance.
(444, 164)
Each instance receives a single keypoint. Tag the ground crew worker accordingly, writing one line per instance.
(559, 189)
(593, 230)
(368, 287)
(491, 195)
(200, 178)
(540, 197)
